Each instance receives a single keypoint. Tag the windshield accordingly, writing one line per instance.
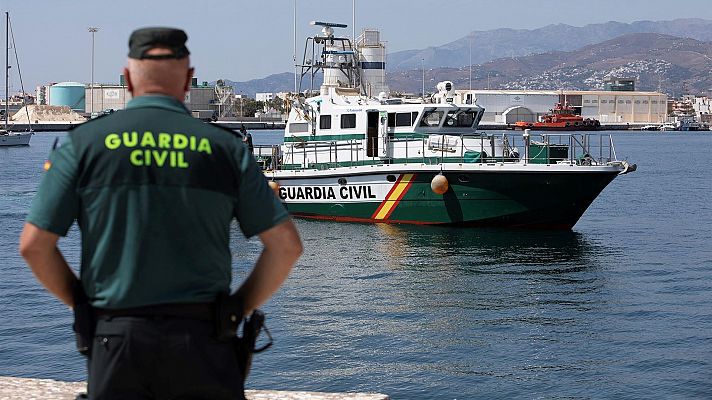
(460, 118)
(431, 118)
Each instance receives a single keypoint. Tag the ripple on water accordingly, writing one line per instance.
(617, 308)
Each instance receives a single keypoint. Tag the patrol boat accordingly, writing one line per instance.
(353, 153)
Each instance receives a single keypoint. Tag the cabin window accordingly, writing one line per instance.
(325, 122)
(298, 127)
(391, 120)
(460, 119)
(431, 118)
(414, 116)
(348, 121)
(403, 119)
(478, 118)
(587, 101)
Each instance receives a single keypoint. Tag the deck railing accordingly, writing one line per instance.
(540, 148)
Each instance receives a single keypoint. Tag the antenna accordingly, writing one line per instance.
(328, 27)
(331, 24)
(294, 57)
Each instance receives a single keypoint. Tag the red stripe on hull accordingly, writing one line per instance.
(474, 224)
(390, 192)
(405, 190)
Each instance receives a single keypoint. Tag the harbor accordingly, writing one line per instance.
(534, 239)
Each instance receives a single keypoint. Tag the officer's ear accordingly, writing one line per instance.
(127, 76)
(189, 79)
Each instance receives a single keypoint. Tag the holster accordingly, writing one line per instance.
(246, 345)
(229, 314)
(84, 322)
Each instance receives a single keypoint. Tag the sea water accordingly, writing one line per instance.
(619, 307)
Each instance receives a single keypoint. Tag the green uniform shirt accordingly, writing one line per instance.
(154, 191)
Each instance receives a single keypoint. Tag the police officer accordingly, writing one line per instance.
(247, 138)
(154, 192)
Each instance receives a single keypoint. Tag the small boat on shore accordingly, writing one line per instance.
(561, 118)
(354, 157)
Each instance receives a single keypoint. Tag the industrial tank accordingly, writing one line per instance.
(373, 62)
(70, 94)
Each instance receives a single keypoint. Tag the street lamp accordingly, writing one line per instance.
(422, 65)
(92, 30)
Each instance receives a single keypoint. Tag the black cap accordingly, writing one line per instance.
(144, 39)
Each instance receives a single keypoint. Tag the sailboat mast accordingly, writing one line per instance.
(7, 64)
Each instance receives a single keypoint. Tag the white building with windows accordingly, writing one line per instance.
(609, 107)
(264, 97)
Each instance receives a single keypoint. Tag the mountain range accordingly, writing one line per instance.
(672, 56)
(501, 43)
(658, 62)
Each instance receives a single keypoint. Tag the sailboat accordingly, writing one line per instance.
(7, 137)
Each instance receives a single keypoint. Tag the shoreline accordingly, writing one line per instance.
(31, 388)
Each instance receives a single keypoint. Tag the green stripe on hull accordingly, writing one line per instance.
(357, 210)
(378, 161)
(324, 138)
(497, 199)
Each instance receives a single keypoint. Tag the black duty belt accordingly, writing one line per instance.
(202, 311)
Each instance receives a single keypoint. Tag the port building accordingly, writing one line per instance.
(85, 98)
(613, 107)
(102, 96)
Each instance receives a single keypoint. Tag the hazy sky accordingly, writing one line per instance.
(242, 40)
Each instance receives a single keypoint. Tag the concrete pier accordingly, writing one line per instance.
(47, 389)
(63, 126)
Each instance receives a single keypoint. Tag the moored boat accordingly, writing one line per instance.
(8, 137)
(561, 118)
(351, 156)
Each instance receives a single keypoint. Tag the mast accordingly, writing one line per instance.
(7, 64)
(295, 48)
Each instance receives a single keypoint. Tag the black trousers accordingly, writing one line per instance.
(161, 358)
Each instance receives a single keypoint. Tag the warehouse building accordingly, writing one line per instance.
(609, 107)
(114, 97)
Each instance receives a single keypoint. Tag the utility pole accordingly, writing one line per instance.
(92, 30)
(470, 62)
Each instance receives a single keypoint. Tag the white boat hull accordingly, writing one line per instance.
(15, 139)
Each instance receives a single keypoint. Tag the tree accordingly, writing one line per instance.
(276, 103)
(248, 107)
